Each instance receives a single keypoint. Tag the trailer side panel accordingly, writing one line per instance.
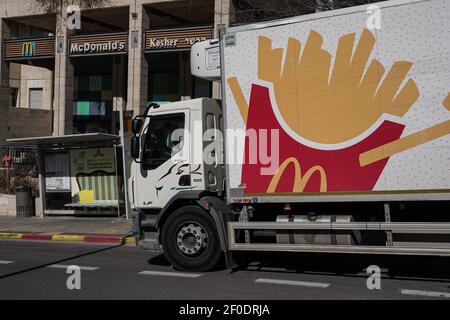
(347, 105)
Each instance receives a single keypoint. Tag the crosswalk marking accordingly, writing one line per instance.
(423, 293)
(63, 266)
(170, 274)
(293, 283)
(6, 262)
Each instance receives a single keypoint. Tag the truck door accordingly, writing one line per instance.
(165, 168)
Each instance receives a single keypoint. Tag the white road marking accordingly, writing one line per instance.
(170, 274)
(65, 266)
(293, 283)
(422, 293)
(6, 262)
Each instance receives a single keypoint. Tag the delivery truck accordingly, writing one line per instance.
(332, 136)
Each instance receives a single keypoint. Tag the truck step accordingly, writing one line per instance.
(149, 222)
(150, 242)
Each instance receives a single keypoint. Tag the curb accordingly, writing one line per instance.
(72, 238)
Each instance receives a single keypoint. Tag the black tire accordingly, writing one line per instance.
(208, 257)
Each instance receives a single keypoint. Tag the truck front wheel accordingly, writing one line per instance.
(190, 241)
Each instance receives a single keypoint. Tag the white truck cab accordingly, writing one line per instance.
(171, 143)
(178, 160)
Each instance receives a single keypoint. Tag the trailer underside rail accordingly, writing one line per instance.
(395, 227)
(339, 249)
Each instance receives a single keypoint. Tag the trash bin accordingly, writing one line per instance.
(24, 202)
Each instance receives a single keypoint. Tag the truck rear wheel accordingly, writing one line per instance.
(190, 241)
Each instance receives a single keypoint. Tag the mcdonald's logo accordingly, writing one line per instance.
(26, 49)
(29, 49)
(300, 181)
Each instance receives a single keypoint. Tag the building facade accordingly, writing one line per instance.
(59, 77)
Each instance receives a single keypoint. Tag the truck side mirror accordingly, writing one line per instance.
(136, 125)
(135, 148)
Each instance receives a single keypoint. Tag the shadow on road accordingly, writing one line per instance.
(394, 267)
(58, 261)
(159, 260)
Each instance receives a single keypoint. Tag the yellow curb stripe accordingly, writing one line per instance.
(7, 235)
(129, 240)
(65, 237)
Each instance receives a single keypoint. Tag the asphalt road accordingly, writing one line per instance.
(37, 270)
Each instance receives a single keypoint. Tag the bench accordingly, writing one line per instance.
(105, 187)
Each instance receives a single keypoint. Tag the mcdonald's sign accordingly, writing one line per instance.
(29, 49)
(25, 49)
(98, 44)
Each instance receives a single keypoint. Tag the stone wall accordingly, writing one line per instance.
(24, 123)
(25, 77)
(7, 205)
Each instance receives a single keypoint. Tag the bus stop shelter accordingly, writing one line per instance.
(80, 173)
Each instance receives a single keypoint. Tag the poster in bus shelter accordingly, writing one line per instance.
(57, 172)
(86, 164)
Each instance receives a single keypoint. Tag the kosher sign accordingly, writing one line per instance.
(175, 39)
(98, 44)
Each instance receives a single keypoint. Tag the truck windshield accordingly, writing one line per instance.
(160, 144)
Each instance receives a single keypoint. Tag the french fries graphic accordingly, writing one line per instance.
(334, 108)
(330, 104)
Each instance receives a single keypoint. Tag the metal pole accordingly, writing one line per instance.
(117, 179)
(41, 169)
(124, 162)
(387, 216)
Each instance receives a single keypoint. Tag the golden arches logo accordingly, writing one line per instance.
(300, 181)
(28, 49)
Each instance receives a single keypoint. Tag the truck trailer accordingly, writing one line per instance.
(332, 136)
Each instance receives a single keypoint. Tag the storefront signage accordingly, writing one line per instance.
(175, 39)
(98, 44)
(20, 49)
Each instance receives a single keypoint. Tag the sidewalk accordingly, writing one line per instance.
(98, 230)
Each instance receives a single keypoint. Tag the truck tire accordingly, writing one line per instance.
(190, 240)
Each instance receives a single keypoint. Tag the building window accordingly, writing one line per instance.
(35, 98)
(14, 94)
(164, 77)
(202, 88)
